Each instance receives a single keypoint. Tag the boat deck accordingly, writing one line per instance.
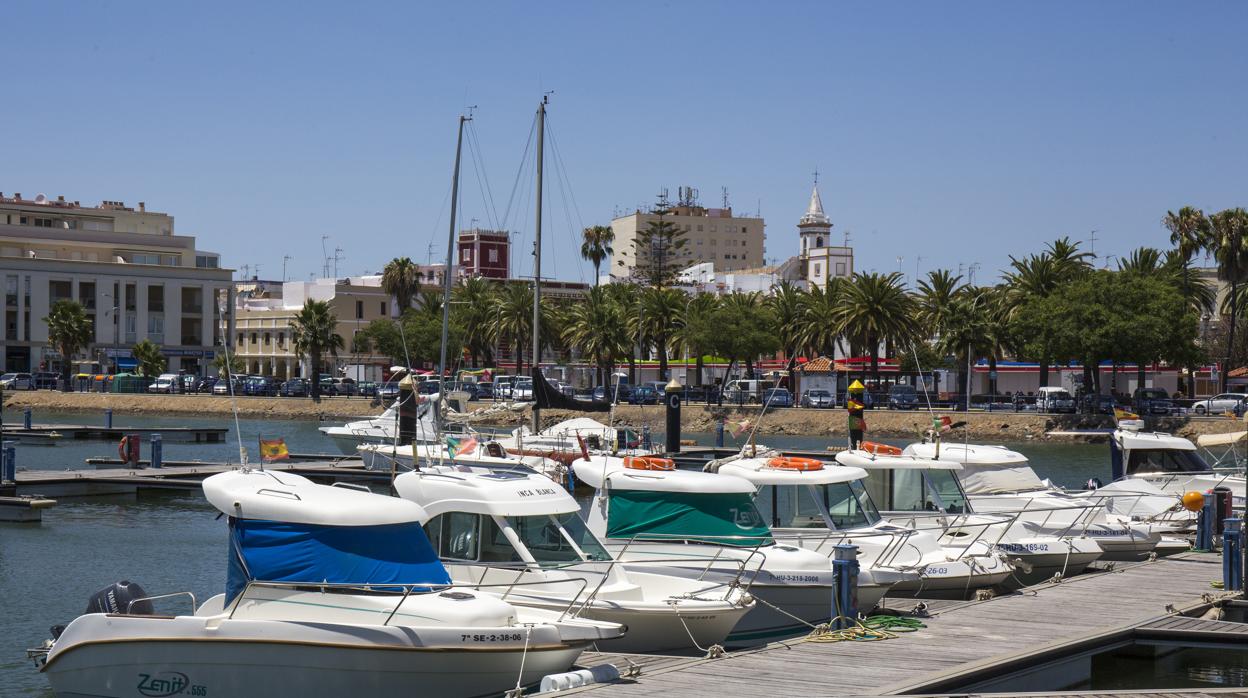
(959, 637)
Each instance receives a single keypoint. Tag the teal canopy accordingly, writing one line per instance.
(722, 518)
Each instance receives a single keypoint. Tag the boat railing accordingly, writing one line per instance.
(946, 523)
(750, 545)
(157, 597)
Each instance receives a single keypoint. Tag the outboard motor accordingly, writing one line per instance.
(122, 597)
(1093, 484)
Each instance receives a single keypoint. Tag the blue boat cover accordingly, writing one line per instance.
(278, 551)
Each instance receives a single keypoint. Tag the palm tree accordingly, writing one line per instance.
(820, 332)
(936, 294)
(1144, 261)
(149, 360)
(431, 302)
(227, 367)
(596, 246)
(1228, 241)
(786, 305)
(1067, 257)
(660, 315)
(876, 308)
(401, 279)
(69, 329)
(628, 297)
(472, 310)
(595, 326)
(694, 333)
(513, 319)
(312, 329)
(1188, 230)
(745, 305)
(965, 332)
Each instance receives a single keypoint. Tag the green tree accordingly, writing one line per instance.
(401, 279)
(472, 311)
(1188, 230)
(819, 328)
(1227, 240)
(596, 244)
(1039, 276)
(696, 334)
(785, 303)
(69, 330)
(876, 309)
(628, 297)
(150, 362)
(936, 295)
(656, 249)
(227, 367)
(313, 331)
(513, 319)
(743, 330)
(595, 326)
(660, 315)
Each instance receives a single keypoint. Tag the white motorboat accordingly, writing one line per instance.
(706, 526)
(563, 441)
(998, 480)
(382, 429)
(925, 494)
(485, 454)
(817, 505)
(1174, 464)
(500, 527)
(330, 592)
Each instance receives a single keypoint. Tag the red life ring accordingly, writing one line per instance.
(794, 463)
(123, 449)
(879, 449)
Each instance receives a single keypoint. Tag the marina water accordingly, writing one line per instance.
(173, 541)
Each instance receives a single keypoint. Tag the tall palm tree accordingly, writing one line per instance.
(876, 309)
(401, 279)
(820, 332)
(1144, 261)
(1228, 241)
(473, 309)
(936, 294)
(312, 329)
(661, 310)
(965, 332)
(69, 330)
(628, 297)
(430, 302)
(745, 304)
(149, 360)
(513, 319)
(1188, 230)
(1037, 276)
(694, 335)
(1067, 257)
(785, 302)
(595, 326)
(596, 246)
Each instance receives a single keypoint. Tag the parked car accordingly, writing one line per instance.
(46, 380)
(204, 385)
(17, 381)
(1218, 404)
(165, 383)
(367, 388)
(778, 397)
(296, 387)
(1099, 404)
(261, 386)
(485, 390)
(228, 386)
(818, 398)
(1054, 399)
(903, 397)
(346, 386)
(328, 389)
(745, 390)
(522, 390)
(388, 390)
(1151, 401)
(643, 394)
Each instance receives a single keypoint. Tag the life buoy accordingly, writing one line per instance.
(123, 449)
(649, 463)
(795, 463)
(879, 449)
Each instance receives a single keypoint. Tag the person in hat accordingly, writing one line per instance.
(855, 405)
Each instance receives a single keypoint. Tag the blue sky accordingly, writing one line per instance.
(945, 133)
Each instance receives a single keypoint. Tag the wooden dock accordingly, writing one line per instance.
(960, 639)
(114, 433)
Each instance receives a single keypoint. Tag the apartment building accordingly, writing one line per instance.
(729, 242)
(133, 275)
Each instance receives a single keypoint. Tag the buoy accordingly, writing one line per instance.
(795, 463)
(1193, 501)
(649, 463)
(879, 449)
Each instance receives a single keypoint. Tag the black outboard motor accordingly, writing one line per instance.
(120, 597)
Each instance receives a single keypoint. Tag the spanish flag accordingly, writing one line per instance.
(273, 449)
(459, 447)
(1121, 414)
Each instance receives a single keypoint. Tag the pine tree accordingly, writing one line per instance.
(656, 249)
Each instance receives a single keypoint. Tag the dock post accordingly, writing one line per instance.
(1232, 555)
(157, 449)
(408, 408)
(719, 433)
(8, 461)
(1204, 525)
(645, 438)
(671, 396)
(108, 418)
(845, 591)
(26, 419)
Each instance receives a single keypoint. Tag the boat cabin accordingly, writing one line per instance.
(908, 484)
(795, 494)
(1134, 452)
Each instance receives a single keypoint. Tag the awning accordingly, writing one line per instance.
(124, 362)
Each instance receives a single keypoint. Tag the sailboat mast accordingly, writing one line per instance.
(537, 264)
(446, 275)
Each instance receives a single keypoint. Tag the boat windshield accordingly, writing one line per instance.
(554, 539)
(842, 505)
(1168, 460)
(918, 490)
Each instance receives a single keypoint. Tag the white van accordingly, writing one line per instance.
(165, 383)
(1054, 399)
(746, 390)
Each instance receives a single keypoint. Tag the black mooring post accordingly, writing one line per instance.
(672, 395)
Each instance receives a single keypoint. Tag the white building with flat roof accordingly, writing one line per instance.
(716, 235)
(134, 277)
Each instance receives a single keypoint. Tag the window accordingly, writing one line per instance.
(699, 227)
(743, 229)
(840, 269)
(359, 310)
(173, 260)
(281, 338)
(203, 261)
(156, 327)
(544, 537)
(467, 256)
(253, 338)
(819, 241)
(818, 270)
(493, 254)
(86, 295)
(60, 290)
(383, 309)
(268, 339)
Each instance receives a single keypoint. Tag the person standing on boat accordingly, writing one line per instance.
(855, 405)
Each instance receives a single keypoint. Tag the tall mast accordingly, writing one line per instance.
(537, 265)
(446, 280)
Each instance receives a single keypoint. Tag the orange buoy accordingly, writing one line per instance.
(879, 449)
(649, 463)
(794, 463)
(1193, 501)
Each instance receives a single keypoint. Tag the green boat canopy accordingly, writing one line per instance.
(722, 518)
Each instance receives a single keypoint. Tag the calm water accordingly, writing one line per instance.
(173, 542)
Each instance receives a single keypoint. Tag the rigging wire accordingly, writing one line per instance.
(565, 191)
(483, 179)
(524, 159)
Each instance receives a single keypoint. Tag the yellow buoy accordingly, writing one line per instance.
(1193, 501)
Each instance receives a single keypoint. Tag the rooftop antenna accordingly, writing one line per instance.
(324, 257)
(1092, 238)
(970, 271)
(816, 176)
(246, 269)
(847, 237)
(724, 193)
(256, 271)
(285, 259)
(337, 258)
(429, 256)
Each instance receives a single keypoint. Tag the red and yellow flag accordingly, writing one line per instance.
(273, 449)
(1120, 413)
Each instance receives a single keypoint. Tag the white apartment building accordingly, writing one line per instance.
(715, 235)
(135, 278)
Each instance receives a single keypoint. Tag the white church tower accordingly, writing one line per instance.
(821, 260)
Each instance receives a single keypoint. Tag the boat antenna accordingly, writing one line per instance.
(229, 372)
(537, 260)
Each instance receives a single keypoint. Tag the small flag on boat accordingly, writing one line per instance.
(459, 447)
(1120, 414)
(273, 449)
(740, 427)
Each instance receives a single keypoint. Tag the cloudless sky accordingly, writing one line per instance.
(945, 134)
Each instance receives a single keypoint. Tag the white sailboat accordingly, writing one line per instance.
(331, 592)
(502, 527)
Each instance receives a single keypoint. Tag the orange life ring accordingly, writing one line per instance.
(649, 463)
(123, 448)
(795, 463)
(879, 449)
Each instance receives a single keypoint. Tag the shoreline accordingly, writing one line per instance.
(695, 418)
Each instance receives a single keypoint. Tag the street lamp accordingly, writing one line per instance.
(116, 312)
